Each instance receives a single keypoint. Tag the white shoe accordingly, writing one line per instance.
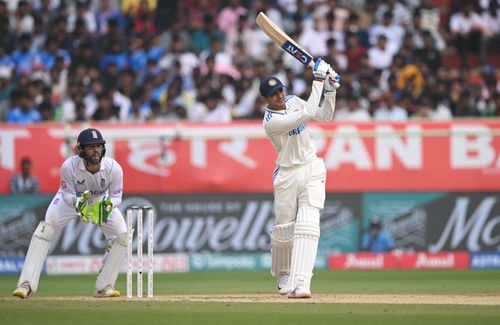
(301, 290)
(299, 293)
(283, 283)
(23, 291)
(107, 292)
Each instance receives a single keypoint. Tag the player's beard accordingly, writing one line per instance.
(94, 159)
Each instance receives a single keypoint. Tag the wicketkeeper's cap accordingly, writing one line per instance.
(269, 86)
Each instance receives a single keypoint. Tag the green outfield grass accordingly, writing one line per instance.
(108, 311)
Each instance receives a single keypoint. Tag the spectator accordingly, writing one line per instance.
(25, 112)
(490, 30)
(387, 110)
(143, 19)
(24, 182)
(22, 21)
(352, 110)
(380, 56)
(375, 239)
(229, 15)
(229, 57)
(25, 57)
(6, 87)
(464, 27)
(83, 14)
(354, 51)
(393, 32)
(202, 37)
(106, 14)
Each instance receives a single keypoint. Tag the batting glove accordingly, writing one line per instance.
(333, 82)
(320, 69)
(81, 206)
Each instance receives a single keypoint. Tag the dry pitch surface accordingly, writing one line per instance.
(484, 300)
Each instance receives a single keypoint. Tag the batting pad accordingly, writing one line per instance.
(305, 247)
(37, 253)
(112, 263)
(281, 248)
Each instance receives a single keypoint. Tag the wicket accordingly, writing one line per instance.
(138, 212)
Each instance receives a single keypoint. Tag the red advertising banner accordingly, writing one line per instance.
(461, 155)
(422, 260)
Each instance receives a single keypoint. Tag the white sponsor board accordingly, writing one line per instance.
(90, 264)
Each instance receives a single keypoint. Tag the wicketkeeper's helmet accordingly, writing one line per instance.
(89, 136)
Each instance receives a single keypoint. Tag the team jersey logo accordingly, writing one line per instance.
(298, 130)
(103, 183)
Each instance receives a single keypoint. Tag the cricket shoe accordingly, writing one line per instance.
(23, 291)
(301, 291)
(283, 283)
(107, 292)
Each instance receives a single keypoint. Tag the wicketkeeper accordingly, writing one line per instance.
(91, 189)
(299, 177)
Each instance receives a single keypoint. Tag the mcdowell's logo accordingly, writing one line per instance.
(297, 52)
(471, 228)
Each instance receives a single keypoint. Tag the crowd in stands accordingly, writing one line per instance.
(202, 60)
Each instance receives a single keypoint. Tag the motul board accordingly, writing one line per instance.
(199, 158)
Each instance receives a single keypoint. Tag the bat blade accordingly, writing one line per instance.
(280, 38)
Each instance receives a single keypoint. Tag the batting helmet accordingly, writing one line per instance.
(89, 136)
(269, 86)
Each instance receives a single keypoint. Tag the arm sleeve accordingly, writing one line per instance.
(388, 241)
(326, 112)
(115, 190)
(365, 240)
(67, 186)
(280, 123)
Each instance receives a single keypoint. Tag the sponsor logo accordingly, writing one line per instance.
(446, 261)
(297, 130)
(485, 261)
(80, 182)
(364, 262)
(118, 191)
(10, 264)
(97, 192)
(194, 226)
(469, 226)
(297, 52)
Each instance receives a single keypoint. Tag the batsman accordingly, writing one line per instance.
(299, 177)
(91, 189)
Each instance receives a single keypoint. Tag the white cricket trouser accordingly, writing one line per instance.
(299, 195)
(58, 214)
(298, 186)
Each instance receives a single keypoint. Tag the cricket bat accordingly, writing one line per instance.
(283, 40)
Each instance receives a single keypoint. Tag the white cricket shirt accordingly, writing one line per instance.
(288, 131)
(75, 179)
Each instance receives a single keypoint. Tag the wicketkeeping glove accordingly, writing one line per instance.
(320, 69)
(100, 211)
(81, 206)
